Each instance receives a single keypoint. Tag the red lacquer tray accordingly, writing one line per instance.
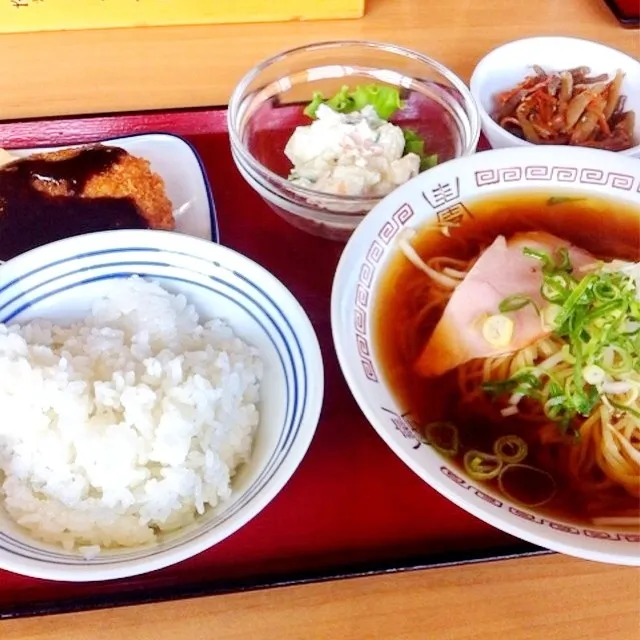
(352, 507)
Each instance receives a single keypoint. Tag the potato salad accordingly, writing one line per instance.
(351, 149)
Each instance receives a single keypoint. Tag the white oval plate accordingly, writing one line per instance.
(184, 175)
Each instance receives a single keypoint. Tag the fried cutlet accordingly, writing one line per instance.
(119, 175)
(49, 196)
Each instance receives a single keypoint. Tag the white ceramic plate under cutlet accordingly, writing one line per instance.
(182, 170)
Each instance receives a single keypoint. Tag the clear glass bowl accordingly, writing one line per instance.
(267, 106)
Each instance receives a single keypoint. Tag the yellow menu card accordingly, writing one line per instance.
(55, 15)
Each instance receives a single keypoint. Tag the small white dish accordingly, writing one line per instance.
(445, 191)
(184, 175)
(59, 281)
(508, 64)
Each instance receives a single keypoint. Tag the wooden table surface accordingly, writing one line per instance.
(545, 598)
(132, 69)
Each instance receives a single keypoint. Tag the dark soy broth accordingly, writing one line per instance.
(608, 229)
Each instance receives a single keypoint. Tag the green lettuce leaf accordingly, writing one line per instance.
(385, 100)
(413, 143)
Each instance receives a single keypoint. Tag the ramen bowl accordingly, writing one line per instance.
(507, 65)
(449, 201)
(268, 102)
(60, 282)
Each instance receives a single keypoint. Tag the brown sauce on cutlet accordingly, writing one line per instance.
(30, 217)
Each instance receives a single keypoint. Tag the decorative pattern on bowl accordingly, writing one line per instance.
(441, 194)
(59, 282)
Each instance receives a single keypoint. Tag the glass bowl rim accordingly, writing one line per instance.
(255, 166)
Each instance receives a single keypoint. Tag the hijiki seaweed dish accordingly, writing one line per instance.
(570, 107)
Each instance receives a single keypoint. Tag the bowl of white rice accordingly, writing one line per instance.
(157, 392)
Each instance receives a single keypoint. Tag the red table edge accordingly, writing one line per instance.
(169, 593)
(83, 129)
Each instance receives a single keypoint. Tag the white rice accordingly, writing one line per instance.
(125, 425)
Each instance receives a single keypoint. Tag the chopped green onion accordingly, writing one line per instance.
(510, 449)
(593, 374)
(554, 287)
(443, 436)
(555, 389)
(550, 315)
(533, 486)
(564, 261)
(625, 408)
(621, 360)
(555, 407)
(525, 382)
(604, 290)
(528, 379)
(586, 396)
(549, 265)
(562, 199)
(575, 298)
(499, 387)
(480, 465)
(543, 256)
(598, 318)
(515, 302)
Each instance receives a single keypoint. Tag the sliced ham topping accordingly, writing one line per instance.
(462, 334)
